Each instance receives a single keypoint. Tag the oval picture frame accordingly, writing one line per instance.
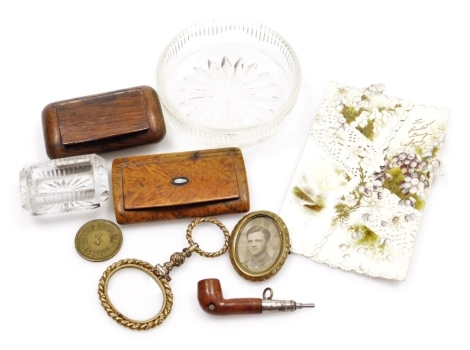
(259, 245)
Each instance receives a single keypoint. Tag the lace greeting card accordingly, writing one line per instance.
(356, 198)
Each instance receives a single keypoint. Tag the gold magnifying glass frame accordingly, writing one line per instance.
(160, 274)
(113, 311)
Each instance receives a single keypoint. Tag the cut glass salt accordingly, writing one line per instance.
(64, 185)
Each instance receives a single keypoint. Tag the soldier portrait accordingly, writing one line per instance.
(259, 244)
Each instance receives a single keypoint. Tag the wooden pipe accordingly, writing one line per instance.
(211, 299)
(209, 294)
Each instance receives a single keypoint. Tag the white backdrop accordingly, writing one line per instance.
(54, 51)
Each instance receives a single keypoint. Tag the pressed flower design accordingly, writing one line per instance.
(408, 173)
(382, 155)
(350, 202)
(308, 197)
(367, 111)
(363, 237)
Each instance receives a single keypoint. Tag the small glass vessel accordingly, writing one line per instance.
(64, 185)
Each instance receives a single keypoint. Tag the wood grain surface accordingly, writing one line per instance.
(211, 300)
(143, 188)
(103, 123)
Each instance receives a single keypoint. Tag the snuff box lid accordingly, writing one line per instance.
(179, 182)
(103, 122)
(98, 117)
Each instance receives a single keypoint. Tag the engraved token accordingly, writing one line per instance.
(98, 240)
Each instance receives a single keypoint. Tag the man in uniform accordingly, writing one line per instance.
(258, 240)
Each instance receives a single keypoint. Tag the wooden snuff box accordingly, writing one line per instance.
(103, 122)
(179, 185)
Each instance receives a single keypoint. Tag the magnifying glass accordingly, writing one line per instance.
(158, 274)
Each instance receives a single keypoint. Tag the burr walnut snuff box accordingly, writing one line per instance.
(179, 185)
(104, 122)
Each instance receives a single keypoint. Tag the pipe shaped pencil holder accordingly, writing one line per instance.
(211, 300)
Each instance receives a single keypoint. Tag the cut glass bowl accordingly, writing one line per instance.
(228, 82)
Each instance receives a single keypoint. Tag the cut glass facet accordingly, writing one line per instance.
(64, 185)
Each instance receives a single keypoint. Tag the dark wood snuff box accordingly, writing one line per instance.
(102, 123)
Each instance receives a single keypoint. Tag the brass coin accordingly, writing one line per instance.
(98, 240)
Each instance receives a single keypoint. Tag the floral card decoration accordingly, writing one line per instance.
(357, 196)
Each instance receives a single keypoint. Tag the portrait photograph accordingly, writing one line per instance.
(259, 244)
